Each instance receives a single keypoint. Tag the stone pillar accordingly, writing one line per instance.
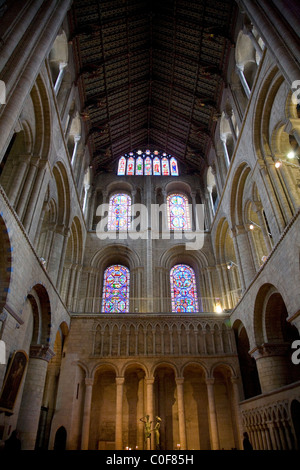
(119, 413)
(29, 414)
(226, 154)
(228, 115)
(34, 196)
(237, 411)
(27, 187)
(85, 434)
(245, 262)
(248, 31)
(74, 154)
(212, 415)
(57, 254)
(181, 414)
(62, 67)
(273, 365)
(149, 404)
(20, 167)
(240, 72)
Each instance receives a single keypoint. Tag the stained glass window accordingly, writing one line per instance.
(174, 167)
(141, 163)
(148, 166)
(115, 298)
(139, 170)
(165, 167)
(178, 212)
(183, 289)
(156, 166)
(130, 166)
(122, 166)
(119, 212)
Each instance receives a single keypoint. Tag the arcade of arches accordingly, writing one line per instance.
(102, 326)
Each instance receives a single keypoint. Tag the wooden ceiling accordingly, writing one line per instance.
(150, 75)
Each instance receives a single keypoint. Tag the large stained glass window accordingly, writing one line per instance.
(115, 297)
(178, 212)
(119, 212)
(183, 289)
(147, 163)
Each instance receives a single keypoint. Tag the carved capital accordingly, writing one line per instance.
(40, 351)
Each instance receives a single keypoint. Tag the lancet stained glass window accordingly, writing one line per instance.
(115, 298)
(178, 212)
(119, 212)
(183, 289)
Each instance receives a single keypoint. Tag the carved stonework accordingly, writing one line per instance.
(40, 351)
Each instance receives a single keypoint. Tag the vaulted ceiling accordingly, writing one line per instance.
(150, 75)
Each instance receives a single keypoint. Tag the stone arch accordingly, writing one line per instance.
(273, 336)
(41, 104)
(60, 440)
(63, 194)
(39, 300)
(249, 375)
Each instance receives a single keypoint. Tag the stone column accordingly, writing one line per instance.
(74, 154)
(29, 414)
(245, 263)
(119, 413)
(85, 434)
(237, 411)
(27, 187)
(34, 196)
(228, 115)
(149, 404)
(20, 167)
(226, 154)
(248, 31)
(212, 415)
(62, 67)
(181, 414)
(273, 365)
(240, 72)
